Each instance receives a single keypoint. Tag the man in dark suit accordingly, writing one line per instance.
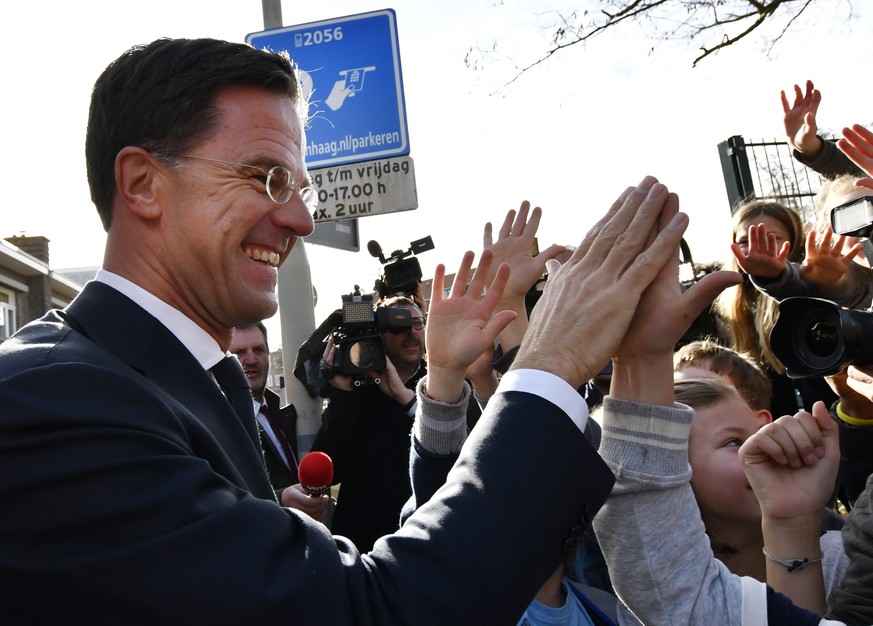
(277, 425)
(131, 478)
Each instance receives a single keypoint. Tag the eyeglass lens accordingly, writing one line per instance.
(280, 187)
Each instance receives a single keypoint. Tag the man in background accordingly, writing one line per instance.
(277, 424)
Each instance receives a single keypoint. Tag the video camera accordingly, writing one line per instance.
(401, 275)
(817, 337)
(357, 328)
(357, 334)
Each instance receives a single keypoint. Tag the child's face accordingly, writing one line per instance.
(719, 483)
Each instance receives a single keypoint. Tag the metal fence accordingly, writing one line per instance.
(755, 170)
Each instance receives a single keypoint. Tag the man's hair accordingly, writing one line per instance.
(401, 301)
(751, 383)
(260, 326)
(161, 97)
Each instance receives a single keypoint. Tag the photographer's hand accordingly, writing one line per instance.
(860, 380)
(855, 390)
(800, 124)
(825, 265)
(461, 327)
(761, 256)
(391, 384)
(340, 381)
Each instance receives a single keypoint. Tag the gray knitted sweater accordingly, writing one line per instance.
(651, 533)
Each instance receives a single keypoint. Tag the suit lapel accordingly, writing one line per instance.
(286, 415)
(268, 445)
(271, 451)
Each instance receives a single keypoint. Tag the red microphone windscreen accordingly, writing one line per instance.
(315, 473)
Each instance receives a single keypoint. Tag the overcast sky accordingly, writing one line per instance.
(568, 136)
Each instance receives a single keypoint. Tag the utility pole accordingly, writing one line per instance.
(296, 306)
(272, 13)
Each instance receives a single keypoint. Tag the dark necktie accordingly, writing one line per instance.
(280, 437)
(230, 377)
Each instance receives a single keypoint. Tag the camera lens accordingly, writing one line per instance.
(816, 337)
(809, 337)
(364, 355)
(822, 338)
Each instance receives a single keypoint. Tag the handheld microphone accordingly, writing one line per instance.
(315, 473)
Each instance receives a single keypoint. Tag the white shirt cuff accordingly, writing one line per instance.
(549, 387)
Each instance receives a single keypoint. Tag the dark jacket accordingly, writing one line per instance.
(366, 434)
(830, 162)
(851, 600)
(428, 472)
(281, 476)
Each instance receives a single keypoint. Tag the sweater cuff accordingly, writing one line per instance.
(767, 282)
(823, 157)
(644, 439)
(440, 427)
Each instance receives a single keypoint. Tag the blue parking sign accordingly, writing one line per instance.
(350, 67)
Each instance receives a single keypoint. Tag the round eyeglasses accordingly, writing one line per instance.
(279, 183)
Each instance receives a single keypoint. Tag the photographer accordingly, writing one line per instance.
(366, 431)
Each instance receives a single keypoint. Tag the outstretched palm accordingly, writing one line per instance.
(461, 327)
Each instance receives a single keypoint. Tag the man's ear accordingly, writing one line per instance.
(764, 416)
(138, 180)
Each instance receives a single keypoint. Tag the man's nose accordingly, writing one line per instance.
(295, 216)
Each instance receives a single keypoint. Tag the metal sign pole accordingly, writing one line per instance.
(272, 13)
(296, 308)
(359, 117)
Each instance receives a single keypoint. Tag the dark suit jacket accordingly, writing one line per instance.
(280, 475)
(367, 433)
(131, 494)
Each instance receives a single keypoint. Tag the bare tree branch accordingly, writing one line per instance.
(635, 9)
(727, 41)
(726, 21)
(788, 25)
